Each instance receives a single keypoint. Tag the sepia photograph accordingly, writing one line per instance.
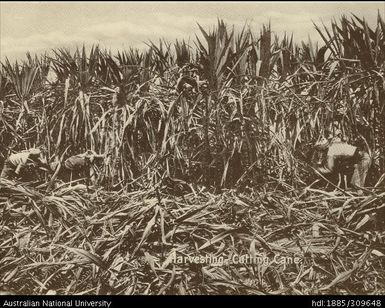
(192, 148)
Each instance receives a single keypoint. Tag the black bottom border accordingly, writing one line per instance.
(112, 301)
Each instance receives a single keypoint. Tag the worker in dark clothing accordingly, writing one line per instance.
(78, 166)
(186, 83)
(189, 82)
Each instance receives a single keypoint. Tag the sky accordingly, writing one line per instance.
(41, 26)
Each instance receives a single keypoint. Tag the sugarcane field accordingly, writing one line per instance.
(231, 161)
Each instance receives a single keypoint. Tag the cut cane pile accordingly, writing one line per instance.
(78, 242)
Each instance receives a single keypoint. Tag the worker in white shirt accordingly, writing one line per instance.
(338, 157)
(15, 163)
